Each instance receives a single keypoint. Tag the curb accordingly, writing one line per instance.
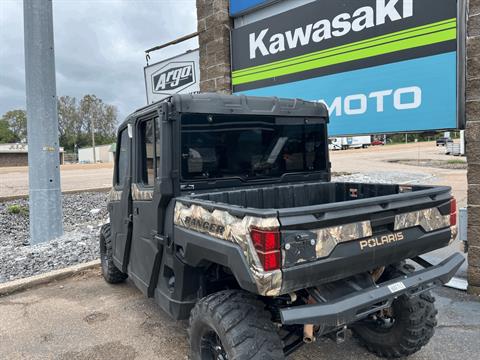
(18, 285)
(74, 191)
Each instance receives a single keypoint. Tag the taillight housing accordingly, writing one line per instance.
(267, 246)
(453, 212)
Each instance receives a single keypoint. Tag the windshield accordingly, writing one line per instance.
(249, 147)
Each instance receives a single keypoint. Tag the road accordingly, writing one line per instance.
(84, 318)
(14, 180)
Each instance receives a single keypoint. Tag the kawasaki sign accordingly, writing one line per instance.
(379, 65)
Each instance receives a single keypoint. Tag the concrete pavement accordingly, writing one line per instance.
(379, 159)
(14, 180)
(83, 318)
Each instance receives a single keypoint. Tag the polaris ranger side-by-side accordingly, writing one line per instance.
(222, 210)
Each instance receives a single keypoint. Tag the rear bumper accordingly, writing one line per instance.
(359, 304)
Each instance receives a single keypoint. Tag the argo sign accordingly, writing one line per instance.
(172, 76)
(379, 65)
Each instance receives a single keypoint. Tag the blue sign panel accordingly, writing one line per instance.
(416, 94)
(380, 66)
(238, 7)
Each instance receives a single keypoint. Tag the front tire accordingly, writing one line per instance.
(110, 272)
(233, 324)
(408, 328)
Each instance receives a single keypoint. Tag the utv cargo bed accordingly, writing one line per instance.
(292, 198)
(330, 231)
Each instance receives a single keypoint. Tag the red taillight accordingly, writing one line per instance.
(453, 212)
(270, 261)
(267, 245)
(265, 240)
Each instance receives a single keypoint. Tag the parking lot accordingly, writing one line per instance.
(384, 160)
(83, 318)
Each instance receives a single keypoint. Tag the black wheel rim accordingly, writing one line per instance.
(381, 324)
(211, 347)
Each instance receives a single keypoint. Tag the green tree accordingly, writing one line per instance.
(103, 117)
(6, 135)
(75, 119)
(69, 123)
(17, 123)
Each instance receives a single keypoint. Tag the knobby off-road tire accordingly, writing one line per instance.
(109, 271)
(413, 326)
(233, 325)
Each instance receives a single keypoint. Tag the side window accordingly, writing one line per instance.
(147, 151)
(122, 165)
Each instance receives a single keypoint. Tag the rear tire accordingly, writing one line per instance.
(109, 271)
(410, 325)
(233, 324)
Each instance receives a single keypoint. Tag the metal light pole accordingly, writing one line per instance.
(42, 124)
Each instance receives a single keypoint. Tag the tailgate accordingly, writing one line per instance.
(329, 242)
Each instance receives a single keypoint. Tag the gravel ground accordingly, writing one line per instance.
(84, 213)
(383, 178)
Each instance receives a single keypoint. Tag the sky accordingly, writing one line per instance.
(99, 47)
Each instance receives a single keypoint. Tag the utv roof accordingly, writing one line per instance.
(212, 103)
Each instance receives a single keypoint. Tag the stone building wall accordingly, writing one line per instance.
(214, 26)
(473, 143)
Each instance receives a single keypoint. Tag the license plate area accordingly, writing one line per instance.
(298, 247)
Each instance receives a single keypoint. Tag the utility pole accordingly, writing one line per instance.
(42, 123)
(92, 125)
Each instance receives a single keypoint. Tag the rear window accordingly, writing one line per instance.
(249, 147)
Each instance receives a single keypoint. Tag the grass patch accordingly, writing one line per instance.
(16, 209)
(456, 161)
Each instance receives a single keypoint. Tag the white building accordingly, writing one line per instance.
(103, 154)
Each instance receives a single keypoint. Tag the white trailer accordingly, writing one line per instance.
(350, 142)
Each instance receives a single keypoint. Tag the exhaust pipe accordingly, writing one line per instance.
(308, 337)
